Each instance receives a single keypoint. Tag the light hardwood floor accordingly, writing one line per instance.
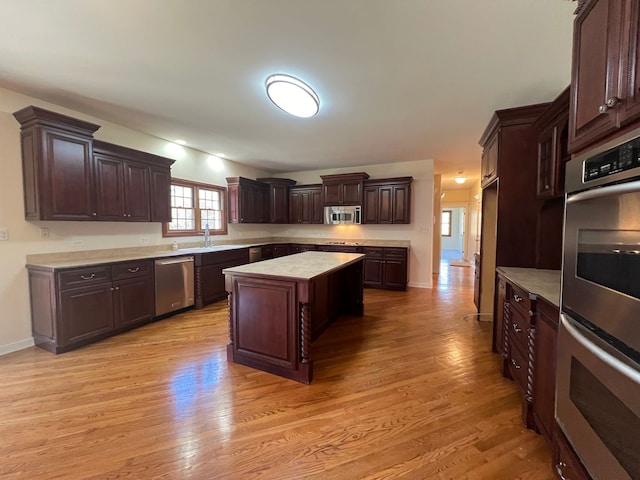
(410, 390)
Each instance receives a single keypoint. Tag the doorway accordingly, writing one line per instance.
(454, 235)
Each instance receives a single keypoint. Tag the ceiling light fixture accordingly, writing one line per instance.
(460, 179)
(292, 95)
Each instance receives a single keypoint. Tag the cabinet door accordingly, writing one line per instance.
(547, 147)
(351, 193)
(630, 108)
(160, 194)
(385, 204)
(280, 251)
(279, 204)
(133, 301)
(85, 313)
(395, 274)
(67, 176)
(400, 211)
(595, 74)
(317, 206)
(490, 161)
(373, 272)
(212, 281)
(295, 207)
(136, 189)
(110, 198)
(332, 193)
(498, 322)
(370, 205)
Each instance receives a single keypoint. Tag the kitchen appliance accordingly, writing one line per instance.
(174, 280)
(598, 364)
(342, 215)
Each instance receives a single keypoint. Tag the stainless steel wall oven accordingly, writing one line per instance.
(598, 377)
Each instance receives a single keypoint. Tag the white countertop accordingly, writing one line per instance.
(304, 266)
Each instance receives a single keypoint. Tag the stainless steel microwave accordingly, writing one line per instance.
(340, 215)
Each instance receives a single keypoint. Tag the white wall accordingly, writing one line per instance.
(25, 239)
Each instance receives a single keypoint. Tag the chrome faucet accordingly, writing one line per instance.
(206, 235)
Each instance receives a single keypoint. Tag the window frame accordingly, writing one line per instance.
(446, 213)
(196, 186)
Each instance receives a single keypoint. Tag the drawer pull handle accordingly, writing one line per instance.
(559, 467)
(90, 277)
(516, 328)
(515, 364)
(134, 270)
(517, 297)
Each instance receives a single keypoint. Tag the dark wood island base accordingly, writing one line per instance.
(278, 307)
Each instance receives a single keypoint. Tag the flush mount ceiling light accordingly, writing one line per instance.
(292, 95)
(460, 179)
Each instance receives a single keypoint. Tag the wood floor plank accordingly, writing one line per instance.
(410, 390)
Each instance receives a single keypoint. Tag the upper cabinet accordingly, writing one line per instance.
(387, 200)
(57, 165)
(248, 200)
(553, 130)
(278, 198)
(305, 204)
(605, 92)
(489, 160)
(70, 176)
(343, 189)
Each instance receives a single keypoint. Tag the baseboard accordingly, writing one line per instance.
(15, 346)
(419, 285)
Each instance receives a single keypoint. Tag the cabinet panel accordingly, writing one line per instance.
(630, 60)
(136, 188)
(401, 204)
(134, 301)
(85, 313)
(387, 200)
(305, 205)
(343, 189)
(248, 200)
(373, 272)
(385, 204)
(370, 205)
(110, 188)
(395, 274)
(489, 161)
(160, 194)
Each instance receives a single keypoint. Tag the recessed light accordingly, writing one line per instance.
(221, 155)
(180, 142)
(292, 95)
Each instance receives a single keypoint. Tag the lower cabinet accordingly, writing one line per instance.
(385, 267)
(209, 281)
(544, 374)
(566, 463)
(73, 307)
(302, 247)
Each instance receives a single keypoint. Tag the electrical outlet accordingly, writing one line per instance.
(77, 242)
(44, 232)
(4, 234)
(144, 240)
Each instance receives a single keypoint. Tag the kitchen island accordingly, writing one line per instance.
(278, 307)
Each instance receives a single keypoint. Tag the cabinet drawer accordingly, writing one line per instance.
(373, 252)
(518, 361)
(84, 276)
(519, 299)
(399, 253)
(132, 269)
(518, 332)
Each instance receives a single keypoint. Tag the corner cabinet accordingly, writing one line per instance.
(248, 200)
(209, 279)
(605, 82)
(68, 175)
(57, 165)
(343, 189)
(278, 198)
(387, 201)
(305, 204)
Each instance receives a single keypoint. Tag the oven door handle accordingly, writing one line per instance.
(609, 360)
(618, 189)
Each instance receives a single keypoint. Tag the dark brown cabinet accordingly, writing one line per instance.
(385, 267)
(305, 204)
(489, 160)
(387, 200)
(553, 131)
(278, 198)
(280, 250)
(209, 281)
(567, 465)
(70, 176)
(343, 189)
(302, 247)
(544, 375)
(605, 73)
(57, 165)
(73, 307)
(248, 200)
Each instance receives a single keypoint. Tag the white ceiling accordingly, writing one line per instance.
(398, 80)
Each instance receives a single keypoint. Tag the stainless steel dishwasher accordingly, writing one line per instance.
(174, 284)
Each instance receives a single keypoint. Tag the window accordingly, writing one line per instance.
(446, 223)
(193, 207)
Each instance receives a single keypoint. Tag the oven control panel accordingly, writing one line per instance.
(618, 159)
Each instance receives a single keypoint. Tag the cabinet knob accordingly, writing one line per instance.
(117, 288)
(124, 214)
(95, 214)
(515, 364)
(559, 467)
(613, 101)
(517, 298)
(516, 328)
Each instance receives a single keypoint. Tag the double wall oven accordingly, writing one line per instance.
(598, 369)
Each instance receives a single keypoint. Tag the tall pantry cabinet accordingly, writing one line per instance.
(509, 216)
